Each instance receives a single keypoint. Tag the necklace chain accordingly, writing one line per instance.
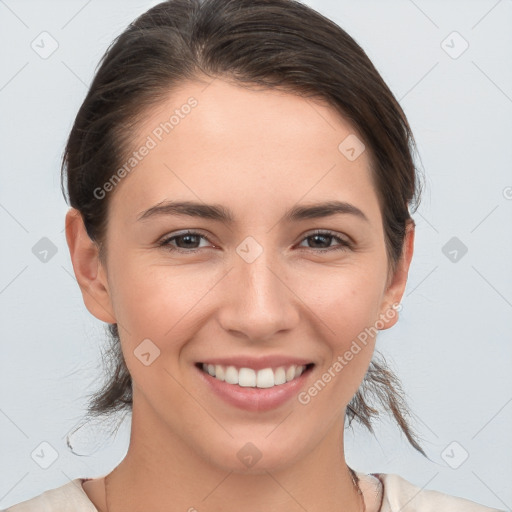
(352, 475)
(356, 484)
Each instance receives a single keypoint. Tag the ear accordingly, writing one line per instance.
(397, 282)
(89, 271)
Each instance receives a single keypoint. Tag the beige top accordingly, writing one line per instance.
(398, 495)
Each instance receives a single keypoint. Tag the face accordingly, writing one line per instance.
(274, 294)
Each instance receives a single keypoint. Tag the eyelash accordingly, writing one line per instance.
(344, 244)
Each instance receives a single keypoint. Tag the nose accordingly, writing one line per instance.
(257, 301)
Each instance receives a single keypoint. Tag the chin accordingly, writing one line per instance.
(253, 455)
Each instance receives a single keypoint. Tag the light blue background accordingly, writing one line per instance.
(452, 346)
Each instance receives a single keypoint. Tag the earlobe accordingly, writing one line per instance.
(396, 286)
(89, 271)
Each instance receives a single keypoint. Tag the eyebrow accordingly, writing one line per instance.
(221, 214)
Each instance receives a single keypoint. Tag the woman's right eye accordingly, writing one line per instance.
(190, 238)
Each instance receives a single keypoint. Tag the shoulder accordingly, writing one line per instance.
(400, 494)
(70, 497)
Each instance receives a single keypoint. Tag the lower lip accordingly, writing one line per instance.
(255, 399)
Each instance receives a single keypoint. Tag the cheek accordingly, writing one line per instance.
(151, 300)
(345, 300)
(345, 305)
(160, 304)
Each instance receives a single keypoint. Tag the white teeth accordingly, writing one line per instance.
(249, 378)
(279, 376)
(265, 378)
(231, 375)
(219, 372)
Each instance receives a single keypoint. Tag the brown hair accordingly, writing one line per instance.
(270, 43)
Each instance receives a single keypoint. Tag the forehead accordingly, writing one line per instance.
(221, 142)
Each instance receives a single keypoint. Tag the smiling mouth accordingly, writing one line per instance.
(250, 378)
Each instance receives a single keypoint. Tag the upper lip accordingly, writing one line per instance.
(258, 363)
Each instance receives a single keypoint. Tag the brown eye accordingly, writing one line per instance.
(321, 240)
(184, 242)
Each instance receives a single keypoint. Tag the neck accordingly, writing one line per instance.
(160, 472)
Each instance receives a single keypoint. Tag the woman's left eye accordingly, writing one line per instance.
(321, 236)
(190, 239)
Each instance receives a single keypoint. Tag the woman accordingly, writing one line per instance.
(240, 179)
